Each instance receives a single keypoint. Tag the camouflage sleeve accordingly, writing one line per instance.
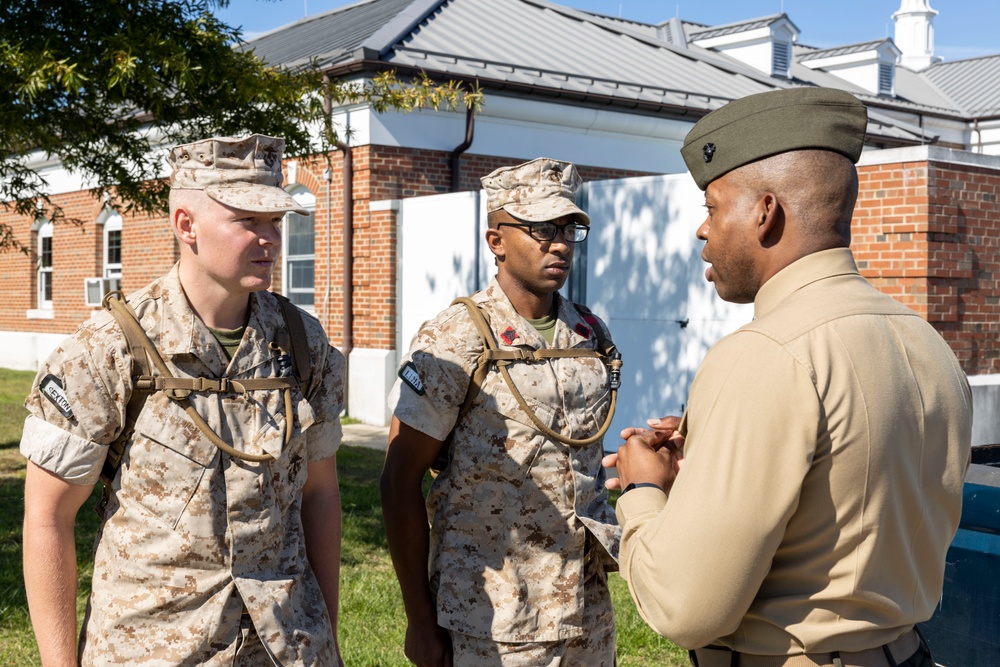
(77, 405)
(327, 401)
(434, 375)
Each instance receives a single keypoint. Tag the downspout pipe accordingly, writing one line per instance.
(348, 212)
(470, 127)
(347, 343)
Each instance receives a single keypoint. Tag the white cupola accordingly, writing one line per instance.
(914, 34)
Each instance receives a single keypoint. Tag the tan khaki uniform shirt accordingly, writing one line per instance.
(511, 512)
(827, 443)
(191, 535)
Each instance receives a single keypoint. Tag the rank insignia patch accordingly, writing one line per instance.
(509, 336)
(409, 375)
(582, 330)
(52, 389)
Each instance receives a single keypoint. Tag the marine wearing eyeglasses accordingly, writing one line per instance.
(521, 532)
(571, 232)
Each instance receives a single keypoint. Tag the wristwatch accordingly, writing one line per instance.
(634, 485)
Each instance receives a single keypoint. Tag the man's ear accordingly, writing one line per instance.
(494, 241)
(183, 225)
(770, 220)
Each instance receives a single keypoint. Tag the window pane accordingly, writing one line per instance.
(302, 298)
(300, 274)
(45, 280)
(114, 247)
(301, 236)
(46, 252)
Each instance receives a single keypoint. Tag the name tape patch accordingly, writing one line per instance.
(409, 375)
(52, 389)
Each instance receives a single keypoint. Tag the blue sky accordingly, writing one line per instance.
(962, 28)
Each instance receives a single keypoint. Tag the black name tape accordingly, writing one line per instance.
(408, 374)
(52, 389)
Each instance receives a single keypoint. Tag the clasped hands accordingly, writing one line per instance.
(652, 455)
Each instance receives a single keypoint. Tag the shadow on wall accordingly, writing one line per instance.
(647, 279)
(644, 277)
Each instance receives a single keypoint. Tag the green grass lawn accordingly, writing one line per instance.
(372, 623)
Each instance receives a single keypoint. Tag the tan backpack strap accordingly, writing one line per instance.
(300, 343)
(140, 367)
(126, 317)
(178, 388)
(540, 355)
(505, 357)
(482, 367)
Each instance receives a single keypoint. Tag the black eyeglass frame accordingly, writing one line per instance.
(534, 230)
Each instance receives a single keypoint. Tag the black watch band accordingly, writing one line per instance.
(640, 485)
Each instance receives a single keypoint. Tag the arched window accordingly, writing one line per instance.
(299, 240)
(43, 298)
(112, 243)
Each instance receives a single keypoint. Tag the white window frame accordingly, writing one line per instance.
(306, 200)
(43, 274)
(112, 222)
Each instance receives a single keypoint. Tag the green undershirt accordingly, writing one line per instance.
(546, 326)
(229, 339)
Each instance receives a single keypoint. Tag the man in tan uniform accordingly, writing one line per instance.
(512, 569)
(824, 444)
(204, 557)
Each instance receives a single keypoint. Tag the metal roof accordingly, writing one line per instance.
(325, 36)
(860, 47)
(737, 27)
(972, 84)
(538, 47)
(556, 46)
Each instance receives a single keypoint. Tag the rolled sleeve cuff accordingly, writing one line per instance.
(67, 456)
(420, 412)
(638, 502)
(324, 439)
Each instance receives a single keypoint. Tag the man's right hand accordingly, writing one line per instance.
(428, 645)
(653, 456)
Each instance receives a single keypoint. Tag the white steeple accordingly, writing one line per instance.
(915, 34)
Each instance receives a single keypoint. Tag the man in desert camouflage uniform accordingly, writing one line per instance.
(521, 534)
(203, 557)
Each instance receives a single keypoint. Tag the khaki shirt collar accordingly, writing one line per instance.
(809, 269)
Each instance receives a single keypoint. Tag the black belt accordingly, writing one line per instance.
(887, 655)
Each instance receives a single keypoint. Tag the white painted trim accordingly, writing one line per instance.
(383, 205)
(928, 154)
(371, 374)
(26, 350)
(40, 314)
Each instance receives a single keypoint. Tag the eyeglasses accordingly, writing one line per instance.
(546, 231)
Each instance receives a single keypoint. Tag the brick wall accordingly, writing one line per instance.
(925, 232)
(928, 234)
(77, 254)
(385, 172)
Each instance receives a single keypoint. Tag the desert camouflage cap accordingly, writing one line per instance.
(537, 191)
(243, 173)
(766, 124)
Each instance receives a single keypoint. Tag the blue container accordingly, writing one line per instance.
(965, 629)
